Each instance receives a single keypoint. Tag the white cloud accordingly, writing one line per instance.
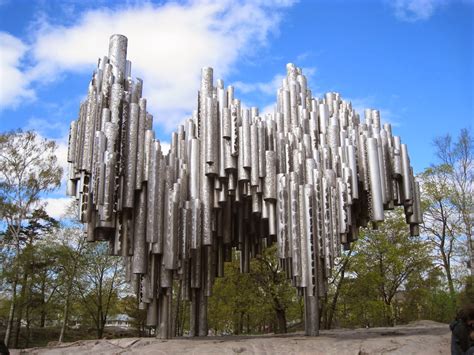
(57, 207)
(14, 83)
(168, 45)
(46, 127)
(268, 110)
(61, 154)
(267, 88)
(165, 147)
(416, 10)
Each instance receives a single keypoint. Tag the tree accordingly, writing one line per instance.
(28, 266)
(256, 302)
(382, 262)
(441, 219)
(425, 297)
(129, 305)
(229, 306)
(37, 267)
(329, 305)
(99, 284)
(70, 250)
(457, 157)
(28, 168)
(273, 285)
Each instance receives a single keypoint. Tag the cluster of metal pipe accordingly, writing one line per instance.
(306, 177)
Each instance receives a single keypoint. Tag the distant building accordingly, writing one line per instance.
(119, 320)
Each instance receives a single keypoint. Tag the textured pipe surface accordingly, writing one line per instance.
(308, 175)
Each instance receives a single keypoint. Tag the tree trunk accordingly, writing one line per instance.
(470, 243)
(100, 332)
(177, 310)
(43, 303)
(66, 307)
(20, 310)
(445, 258)
(65, 318)
(28, 323)
(447, 269)
(140, 320)
(11, 314)
(323, 313)
(389, 314)
(241, 323)
(332, 309)
(27, 316)
(281, 318)
(69, 291)
(182, 319)
(100, 323)
(16, 336)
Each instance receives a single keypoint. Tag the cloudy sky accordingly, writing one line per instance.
(411, 59)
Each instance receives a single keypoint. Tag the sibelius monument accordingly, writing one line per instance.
(305, 177)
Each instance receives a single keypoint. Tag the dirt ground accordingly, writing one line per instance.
(423, 337)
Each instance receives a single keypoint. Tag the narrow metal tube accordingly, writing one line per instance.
(407, 192)
(207, 203)
(375, 183)
(139, 260)
(151, 192)
(282, 216)
(243, 174)
(140, 154)
(246, 145)
(261, 149)
(118, 55)
(71, 153)
(109, 183)
(89, 131)
(194, 168)
(235, 132)
(254, 153)
(211, 144)
(131, 161)
(170, 251)
(226, 123)
(269, 186)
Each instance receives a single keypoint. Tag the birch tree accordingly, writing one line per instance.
(28, 169)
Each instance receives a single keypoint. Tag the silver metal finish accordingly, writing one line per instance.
(308, 175)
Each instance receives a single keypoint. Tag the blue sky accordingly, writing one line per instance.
(411, 59)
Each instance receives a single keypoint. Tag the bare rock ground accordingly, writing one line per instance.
(422, 337)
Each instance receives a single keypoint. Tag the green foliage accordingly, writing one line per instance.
(381, 266)
(426, 297)
(128, 305)
(260, 301)
(28, 167)
(456, 160)
(233, 298)
(98, 284)
(466, 296)
(442, 221)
